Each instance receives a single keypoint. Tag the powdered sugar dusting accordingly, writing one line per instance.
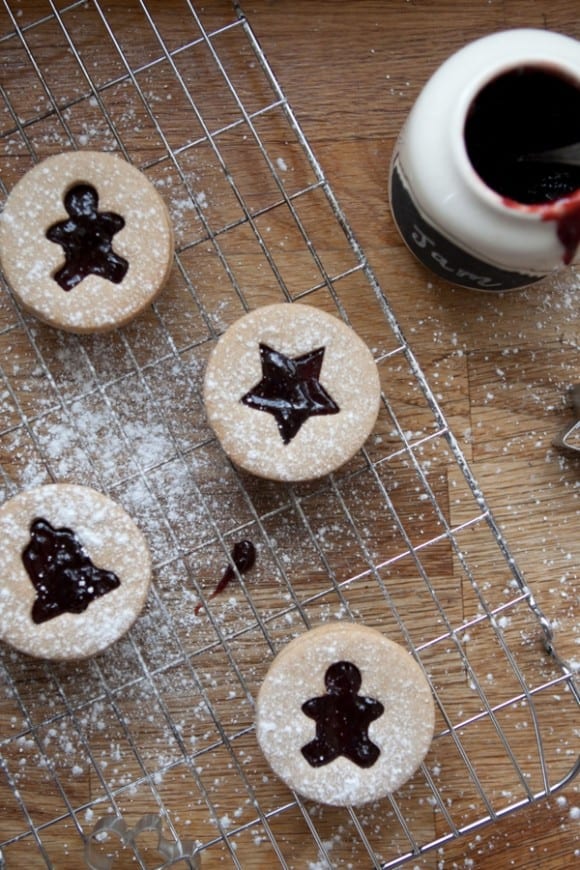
(324, 442)
(111, 540)
(30, 259)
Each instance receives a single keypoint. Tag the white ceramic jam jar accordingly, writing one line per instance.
(467, 198)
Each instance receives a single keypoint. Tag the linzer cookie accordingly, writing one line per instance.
(86, 241)
(75, 571)
(344, 715)
(291, 392)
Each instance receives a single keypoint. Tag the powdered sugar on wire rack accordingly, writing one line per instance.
(162, 724)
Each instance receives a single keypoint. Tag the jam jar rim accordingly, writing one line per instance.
(475, 183)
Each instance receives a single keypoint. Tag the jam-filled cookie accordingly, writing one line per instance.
(291, 392)
(344, 715)
(75, 571)
(86, 241)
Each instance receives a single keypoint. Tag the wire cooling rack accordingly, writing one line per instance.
(148, 751)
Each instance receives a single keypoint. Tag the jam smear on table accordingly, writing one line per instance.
(243, 556)
(290, 390)
(342, 719)
(62, 573)
(86, 238)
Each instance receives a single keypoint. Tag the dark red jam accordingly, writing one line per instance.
(290, 390)
(527, 110)
(243, 556)
(87, 240)
(568, 229)
(61, 571)
(342, 719)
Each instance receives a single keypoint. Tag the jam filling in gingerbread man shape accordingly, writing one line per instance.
(342, 719)
(87, 239)
(290, 390)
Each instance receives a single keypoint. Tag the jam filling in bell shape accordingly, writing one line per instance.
(290, 390)
(342, 719)
(62, 573)
(86, 238)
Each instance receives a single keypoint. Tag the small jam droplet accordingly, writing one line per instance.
(243, 556)
(87, 239)
(342, 719)
(61, 571)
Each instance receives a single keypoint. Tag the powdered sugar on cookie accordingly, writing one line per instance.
(121, 216)
(291, 392)
(344, 715)
(99, 587)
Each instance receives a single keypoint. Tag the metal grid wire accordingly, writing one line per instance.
(162, 723)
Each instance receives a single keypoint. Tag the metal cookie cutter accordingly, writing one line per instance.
(172, 853)
(569, 438)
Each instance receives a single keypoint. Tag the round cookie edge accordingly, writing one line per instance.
(310, 640)
(266, 468)
(65, 321)
(140, 586)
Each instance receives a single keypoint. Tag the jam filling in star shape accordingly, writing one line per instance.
(290, 390)
(342, 719)
(86, 238)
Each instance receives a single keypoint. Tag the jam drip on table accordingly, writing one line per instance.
(290, 390)
(243, 556)
(65, 579)
(87, 240)
(342, 719)
(524, 111)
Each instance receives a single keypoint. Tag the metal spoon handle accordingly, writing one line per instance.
(568, 154)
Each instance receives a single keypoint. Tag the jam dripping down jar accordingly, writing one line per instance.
(468, 194)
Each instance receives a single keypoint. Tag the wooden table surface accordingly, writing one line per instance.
(352, 70)
(500, 365)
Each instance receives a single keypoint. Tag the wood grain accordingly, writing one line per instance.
(512, 358)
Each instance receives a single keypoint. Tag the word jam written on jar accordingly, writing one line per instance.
(422, 240)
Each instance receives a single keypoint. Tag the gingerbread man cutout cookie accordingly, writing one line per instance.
(86, 241)
(344, 715)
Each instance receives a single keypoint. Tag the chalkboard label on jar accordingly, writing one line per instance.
(439, 253)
